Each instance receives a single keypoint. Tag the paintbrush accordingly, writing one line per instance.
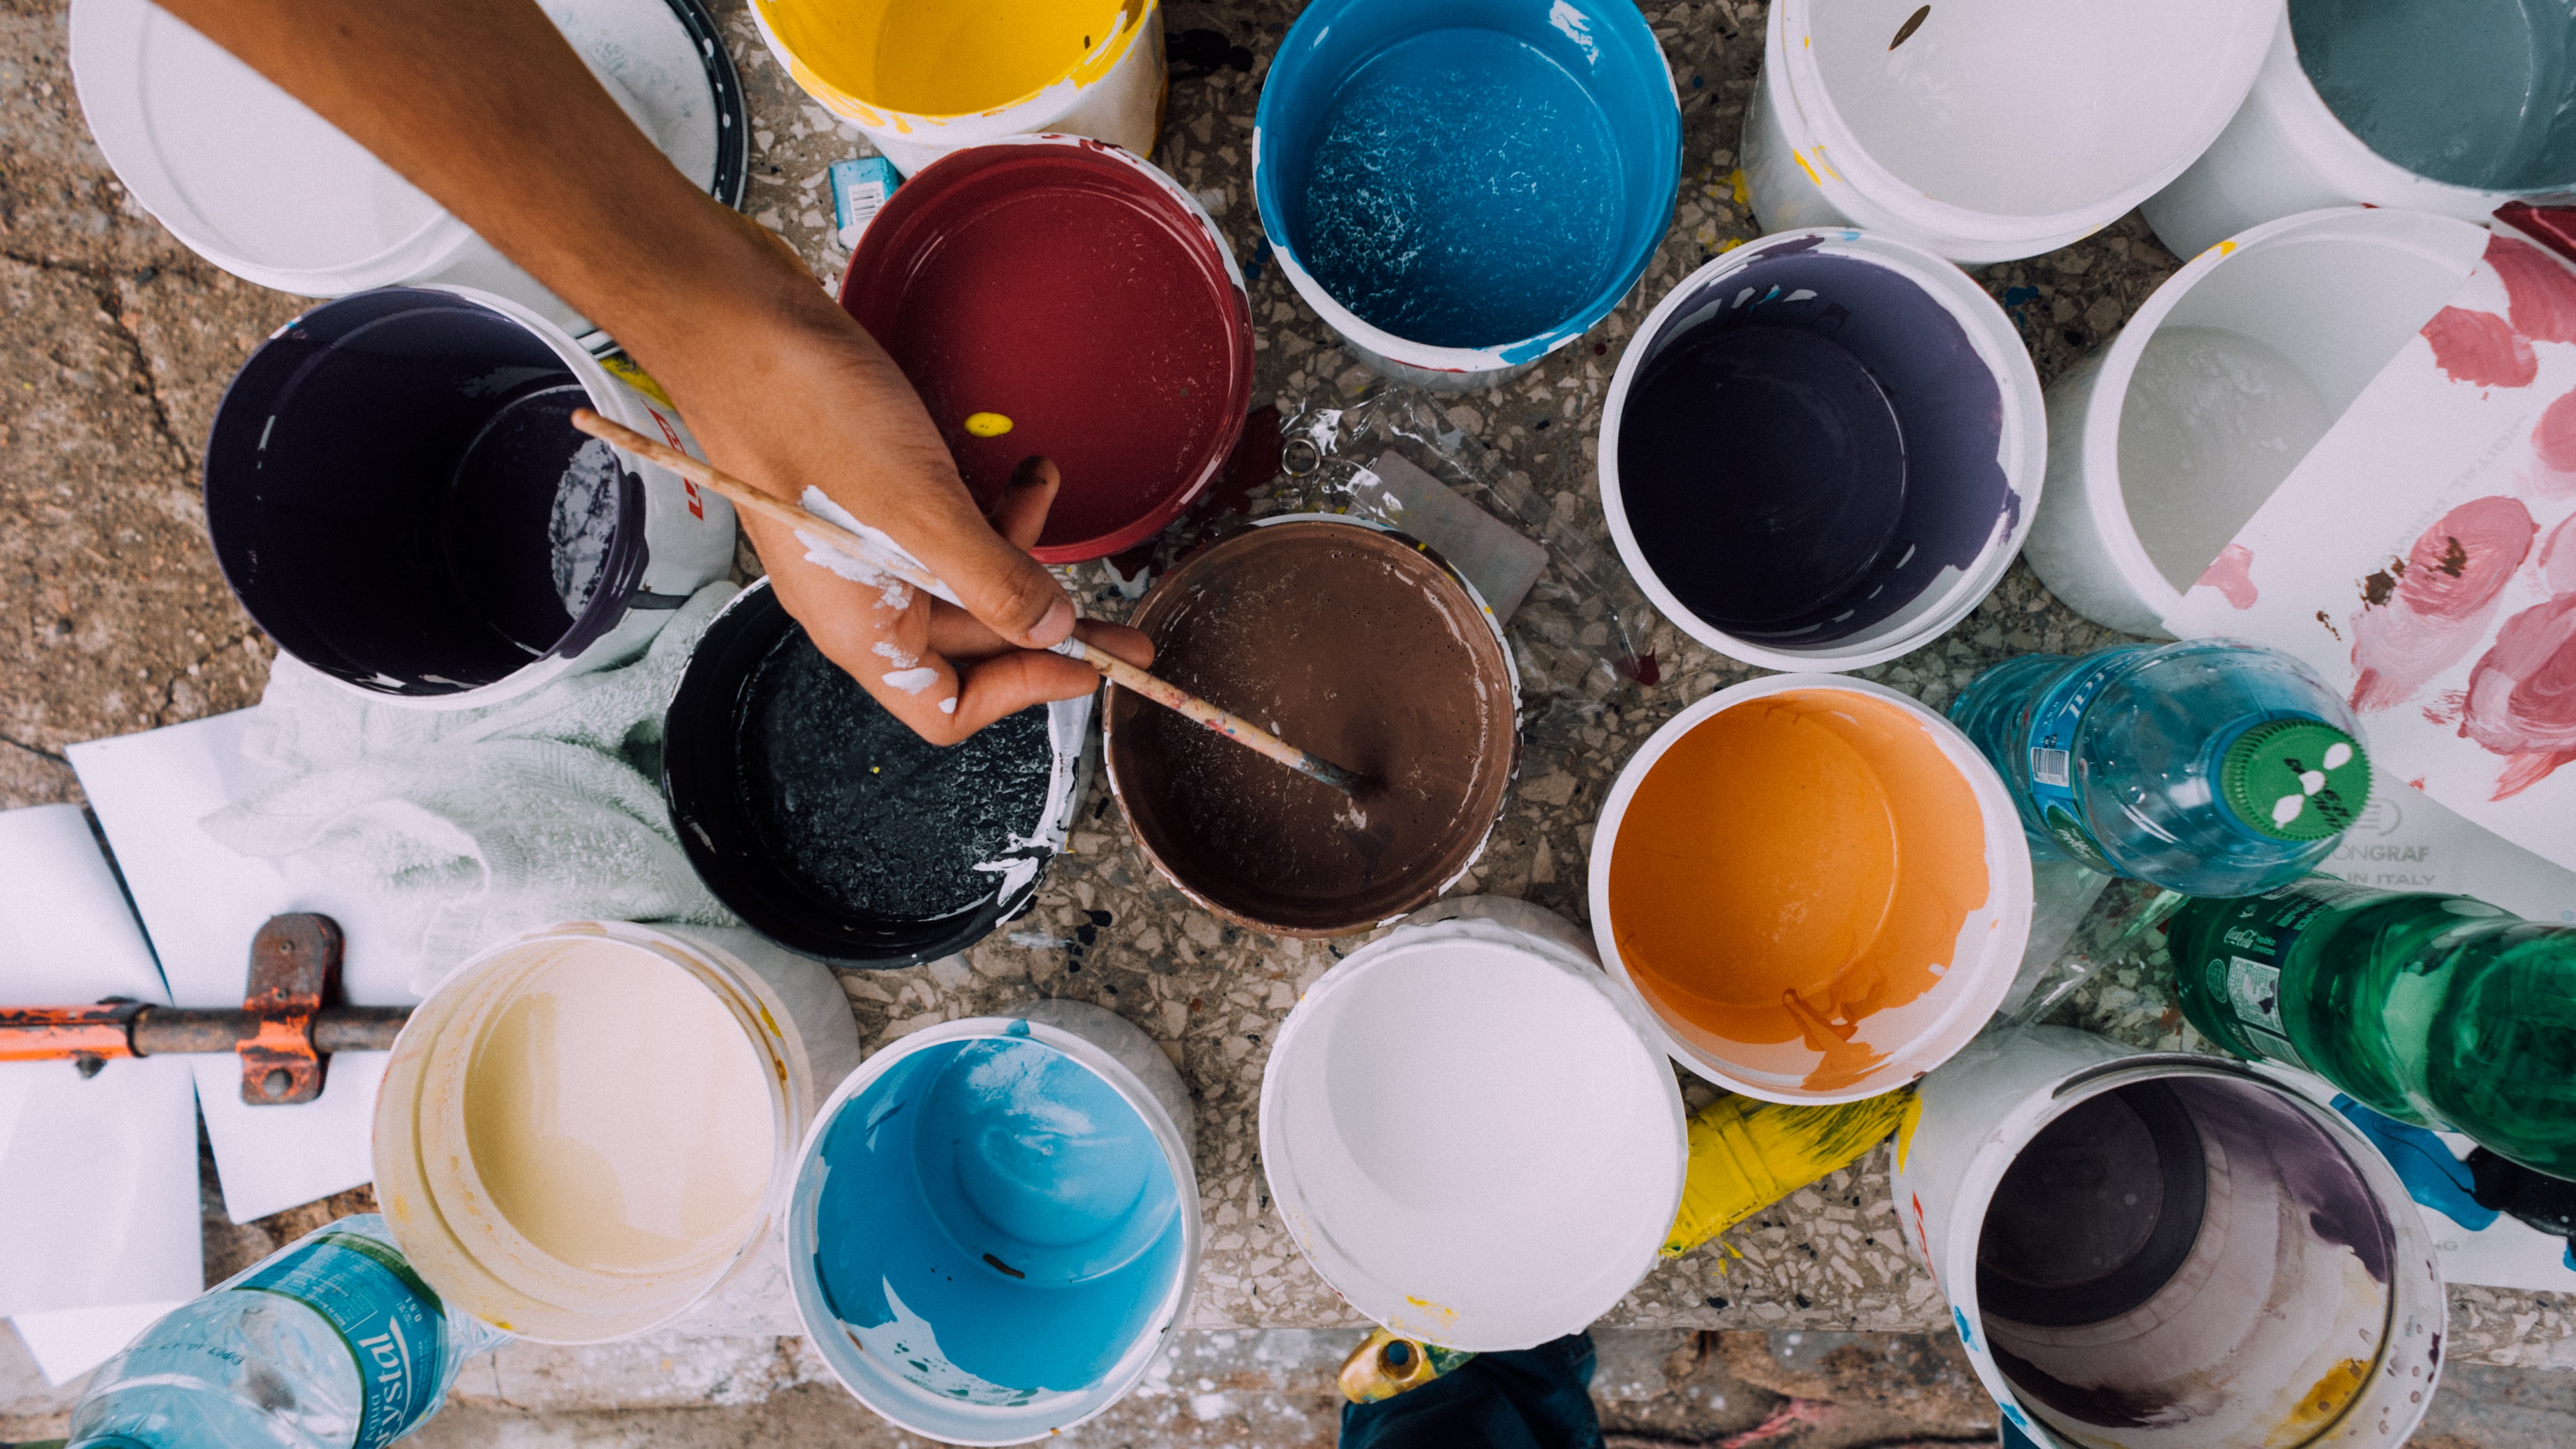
(1171, 696)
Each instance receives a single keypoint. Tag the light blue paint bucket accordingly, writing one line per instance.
(995, 1222)
(1462, 186)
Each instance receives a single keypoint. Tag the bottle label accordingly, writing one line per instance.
(2052, 755)
(2244, 977)
(390, 1320)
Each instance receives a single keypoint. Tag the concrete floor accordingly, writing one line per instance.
(115, 344)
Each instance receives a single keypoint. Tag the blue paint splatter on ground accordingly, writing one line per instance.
(1465, 191)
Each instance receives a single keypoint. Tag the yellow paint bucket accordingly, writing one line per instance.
(926, 77)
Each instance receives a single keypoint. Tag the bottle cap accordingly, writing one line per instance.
(2295, 779)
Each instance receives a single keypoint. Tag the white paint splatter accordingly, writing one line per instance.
(892, 592)
(948, 705)
(895, 654)
(911, 681)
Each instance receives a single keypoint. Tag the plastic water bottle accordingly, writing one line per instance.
(2207, 767)
(332, 1342)
(2437, 1010)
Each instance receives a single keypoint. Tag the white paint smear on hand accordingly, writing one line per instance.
(911, 681)
(892, 592)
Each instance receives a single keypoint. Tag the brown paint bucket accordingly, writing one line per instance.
(1352, 641)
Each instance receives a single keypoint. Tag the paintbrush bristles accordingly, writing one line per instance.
(1171, 696)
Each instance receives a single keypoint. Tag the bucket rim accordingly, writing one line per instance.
(820, 1320)
(1969, 233)
(920, 190)
(1512, 680)
(2401, 228)
(2002, 1139)
(1469, 362)
(2021, 444)
(1094, 66)
(2010, 896)
(1363, 1290)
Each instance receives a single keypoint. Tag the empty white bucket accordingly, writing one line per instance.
(2482, 80)
(1966, 403)
(926, 77)
(2169, 1252)
(249, 178)
(1993, 129)
(995, 1222)
(2162, 445)
(1531, 1209)
(1817, 887)
(586, 1129)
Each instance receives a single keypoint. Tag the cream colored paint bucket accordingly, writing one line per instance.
(587, 1129)
(926, 77)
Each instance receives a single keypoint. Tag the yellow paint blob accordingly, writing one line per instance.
(2322, 1404)
(944, 57)
(987, 425)
(617, 1113)
(1793, 865)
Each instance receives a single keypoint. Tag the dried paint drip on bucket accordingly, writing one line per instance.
(829, 825)
(2474, 93)
(1809, 447)
(1353, 643)
(1793, 866)
(1064, 300)
(1465, 186)
(2186, 1262)
(995, 1222)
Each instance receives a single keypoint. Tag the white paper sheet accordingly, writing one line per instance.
(2423, 557)
(71, 1342)
(202, 904)
(98, 1176)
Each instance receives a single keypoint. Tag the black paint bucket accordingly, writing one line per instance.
(397, 495)
(832, 829)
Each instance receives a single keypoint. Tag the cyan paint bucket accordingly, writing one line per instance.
(588, 1129)
(1054, 295)
(834, 830)
(1992, 130)
(1518, 1219)
(1822, 450)
(995, 1222)
(1816, 887)
(2168, 1251)
(397, 495)
(249, 178)
(2449, 106)
(1460, 187)
(926, 77)
(2167, 441)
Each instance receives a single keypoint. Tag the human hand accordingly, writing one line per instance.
(812, 401)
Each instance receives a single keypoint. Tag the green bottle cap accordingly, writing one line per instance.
(2295, 779)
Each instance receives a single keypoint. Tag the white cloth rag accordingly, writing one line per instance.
(473, 825)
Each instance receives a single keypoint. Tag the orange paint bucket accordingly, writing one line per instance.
(1816, 885)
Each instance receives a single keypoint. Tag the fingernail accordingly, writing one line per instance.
(1055, 626)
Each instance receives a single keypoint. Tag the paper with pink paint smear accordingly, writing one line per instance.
(2423, 557)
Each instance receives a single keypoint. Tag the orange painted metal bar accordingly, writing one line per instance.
(52, 1033)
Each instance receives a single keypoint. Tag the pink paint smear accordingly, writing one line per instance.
(2449, 587)
(2522, 696)
(2481, 349)
(2232, 574)
(2542, 292)
(2553, 449)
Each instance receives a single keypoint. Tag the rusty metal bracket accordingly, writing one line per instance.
(294, 966)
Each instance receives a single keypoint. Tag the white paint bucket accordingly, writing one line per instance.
(1967, 408)
(2168, 1252)
(1989, 131)
(2166, 442)
(923, 78)
(1743, 836)
(247, 177)
(585, 1130)
(425, 538)
(1534, 1207)
(995, 1222)
(2287, 151)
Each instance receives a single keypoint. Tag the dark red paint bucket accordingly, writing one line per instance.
(1071, 289)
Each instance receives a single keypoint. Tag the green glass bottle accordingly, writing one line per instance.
(2438, 1010)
